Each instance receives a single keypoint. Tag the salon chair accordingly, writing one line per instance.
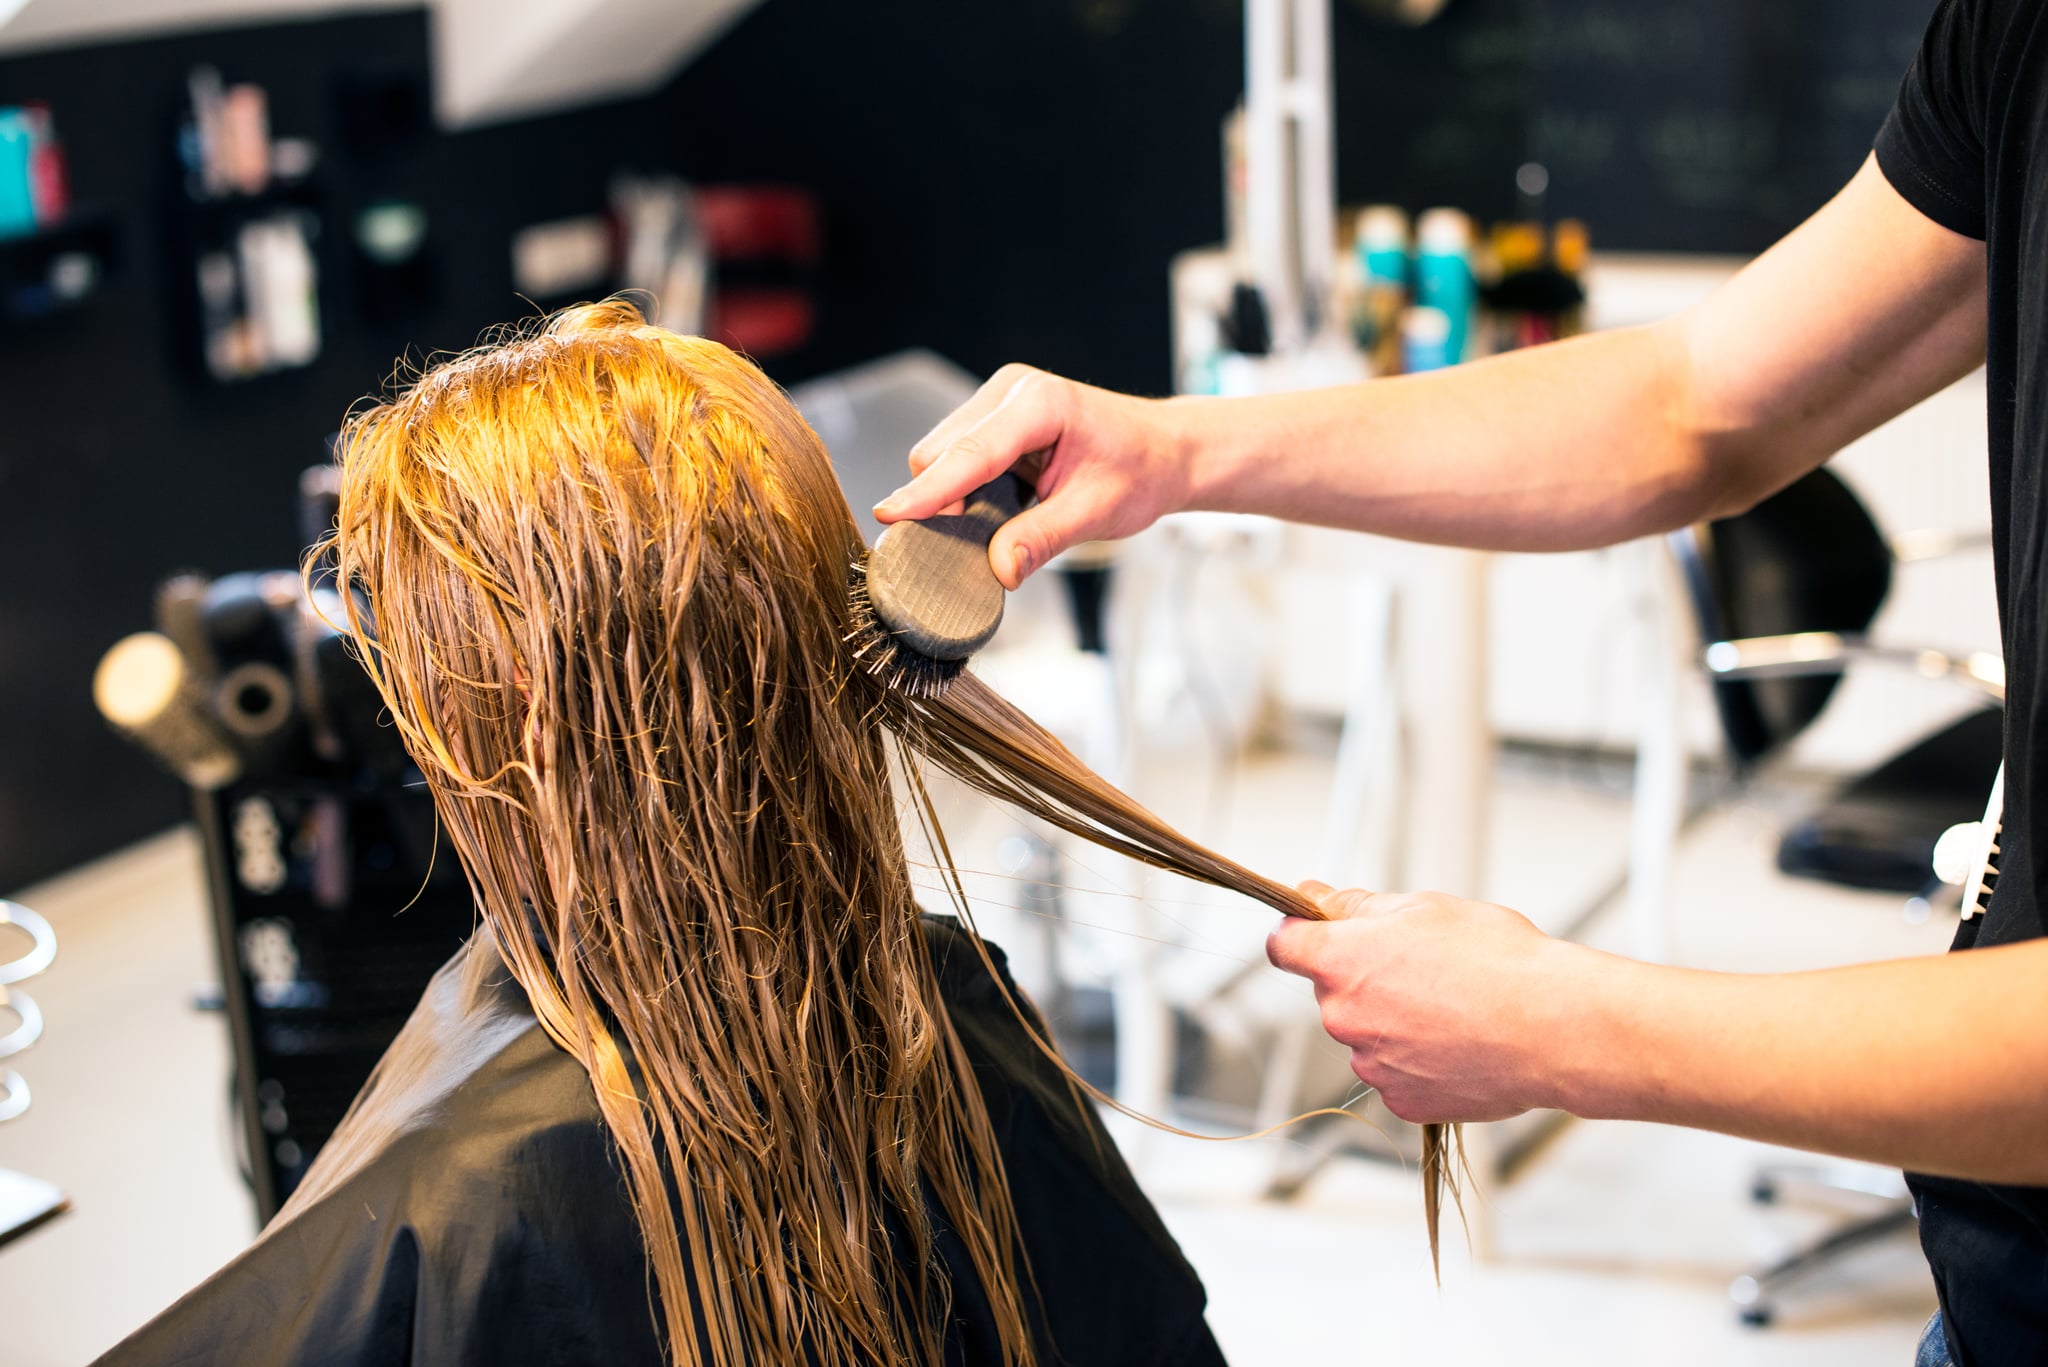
(1784, 595)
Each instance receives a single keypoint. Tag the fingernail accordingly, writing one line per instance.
(1020, 563)
(894, 502)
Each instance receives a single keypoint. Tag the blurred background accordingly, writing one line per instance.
(222, 222)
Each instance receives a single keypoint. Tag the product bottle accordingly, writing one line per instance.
(1382, 256)
(1514, 259)
(1569, 251)
(49, 192)
(1443, 274)
(17, 198)
(1425, 340)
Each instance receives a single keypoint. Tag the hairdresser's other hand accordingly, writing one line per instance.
(1452, 1010)
(1105, 464)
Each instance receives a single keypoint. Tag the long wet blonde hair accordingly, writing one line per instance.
(603, 574)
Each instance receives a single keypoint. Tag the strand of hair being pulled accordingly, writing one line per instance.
(971, 732)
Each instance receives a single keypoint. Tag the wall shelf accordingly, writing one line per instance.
(57, 267)
(224, 212)
(232, 339)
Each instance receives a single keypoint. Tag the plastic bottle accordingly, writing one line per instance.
(49, 191)
(1570, 250)
(1443, 274)
(17, 198)
(1382, 254)
(1426, 339)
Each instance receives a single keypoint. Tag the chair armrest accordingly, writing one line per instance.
(1935, 543)
(1809, 653)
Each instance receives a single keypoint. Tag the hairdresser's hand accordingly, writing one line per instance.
(1453, 1010)
(1105, 464)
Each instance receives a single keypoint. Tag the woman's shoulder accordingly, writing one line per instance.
(958, 963)
(468, 1209)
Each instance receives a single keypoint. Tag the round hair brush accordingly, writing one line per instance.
(144, 686)
(925, 599)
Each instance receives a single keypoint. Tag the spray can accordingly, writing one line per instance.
(1443, 274)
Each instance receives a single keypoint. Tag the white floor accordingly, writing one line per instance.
(1616, 1245)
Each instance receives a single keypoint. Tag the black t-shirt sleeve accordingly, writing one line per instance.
(1931, 147)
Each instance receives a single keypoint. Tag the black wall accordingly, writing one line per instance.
(1672, 125)
(1009, 182)
(119, 464)
(1002, 182)
(999, 182)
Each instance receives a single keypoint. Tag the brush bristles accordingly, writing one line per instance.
(881, 653)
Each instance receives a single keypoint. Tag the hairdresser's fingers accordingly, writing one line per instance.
(1339, 904)
(1027, 467)
(1027, 415)
(982, 403)
(1026, 542)
(1325, 899)
(1297, 946)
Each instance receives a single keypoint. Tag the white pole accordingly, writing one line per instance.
(1315, 168)
(1268, 182)
(1659, 808)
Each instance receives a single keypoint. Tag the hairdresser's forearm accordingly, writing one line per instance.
(1584, 443)
(1937, 1064)
(1861, 312)
(1864, 310)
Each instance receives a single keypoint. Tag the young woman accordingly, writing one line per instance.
(705, 1087)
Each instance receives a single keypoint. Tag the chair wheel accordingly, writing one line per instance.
(1756, 1316)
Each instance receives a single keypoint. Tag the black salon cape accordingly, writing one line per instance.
(485, 1220)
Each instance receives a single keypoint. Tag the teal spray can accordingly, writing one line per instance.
(1443, 274)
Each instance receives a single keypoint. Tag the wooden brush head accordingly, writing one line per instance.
(930, 583)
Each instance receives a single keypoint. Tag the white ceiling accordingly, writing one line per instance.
(493, 59)
(498, 59)
(26, 24)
